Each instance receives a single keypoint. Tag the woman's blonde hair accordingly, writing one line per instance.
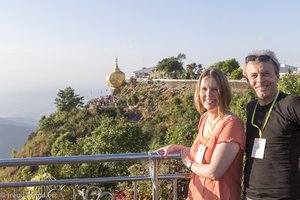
(224, 90)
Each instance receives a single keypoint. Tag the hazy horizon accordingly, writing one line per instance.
(50, 45)
(36, 103)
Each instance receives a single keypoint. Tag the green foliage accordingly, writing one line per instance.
(116, 136)
(109, 111)
(133, 99)
(111, 136)
(26, 173)
(47, 123)
(227, 66)
(13, 153)
(176, 124)
(38, 146)
(181, 133)
(67, 100)
(39, 191)
(31, 135)
(239, 103)
(290, 84)
(236, 74)
(176, 101)
(193, 71)
(172, 66)
(65, 145)
(77, 122)
(163, 115)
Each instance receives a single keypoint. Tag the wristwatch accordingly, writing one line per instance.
(189, 164)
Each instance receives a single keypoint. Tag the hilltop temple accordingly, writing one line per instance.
(115, 79)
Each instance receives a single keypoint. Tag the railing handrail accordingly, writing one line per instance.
(152, 158)
(90, 180)
(9, 162)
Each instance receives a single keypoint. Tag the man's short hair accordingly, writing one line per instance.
(261, 53)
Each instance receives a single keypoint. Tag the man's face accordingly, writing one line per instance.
(263, 80)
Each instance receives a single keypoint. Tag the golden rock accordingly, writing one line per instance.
(115, 79)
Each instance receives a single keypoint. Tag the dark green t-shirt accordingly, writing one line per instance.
(276, 176)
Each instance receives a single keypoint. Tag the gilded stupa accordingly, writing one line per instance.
(115, 79)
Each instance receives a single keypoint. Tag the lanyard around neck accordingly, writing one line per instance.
(212, 127)
(266, 119)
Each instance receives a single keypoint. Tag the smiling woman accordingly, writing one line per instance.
(215, 157)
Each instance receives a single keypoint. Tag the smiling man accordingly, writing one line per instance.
(273, 133)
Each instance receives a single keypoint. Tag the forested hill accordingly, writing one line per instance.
(144, 117)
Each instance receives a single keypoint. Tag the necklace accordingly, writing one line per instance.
(212, 125)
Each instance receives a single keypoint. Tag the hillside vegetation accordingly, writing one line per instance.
(144, 117)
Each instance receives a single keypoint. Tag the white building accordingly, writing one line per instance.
(286, 68)
(143, 73)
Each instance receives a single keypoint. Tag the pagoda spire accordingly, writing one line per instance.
(117, 66)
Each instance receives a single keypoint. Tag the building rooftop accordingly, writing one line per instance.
(144, 70)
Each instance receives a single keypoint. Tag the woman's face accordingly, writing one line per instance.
(209, 94)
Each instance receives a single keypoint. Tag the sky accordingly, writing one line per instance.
(48, 45)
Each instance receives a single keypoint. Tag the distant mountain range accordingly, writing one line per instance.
(14, 133)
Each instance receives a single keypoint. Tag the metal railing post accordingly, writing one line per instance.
(135, 194)
(74, 192)
(16, 193)
(155, 180)
(175, 189)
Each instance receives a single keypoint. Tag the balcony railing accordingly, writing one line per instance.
(152, 157)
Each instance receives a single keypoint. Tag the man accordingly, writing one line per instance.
(273, 133)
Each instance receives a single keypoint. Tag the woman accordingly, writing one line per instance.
(216, 155)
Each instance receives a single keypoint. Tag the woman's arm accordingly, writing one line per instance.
(222, 158)
(164, 151)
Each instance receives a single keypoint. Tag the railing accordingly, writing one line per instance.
(152, 158)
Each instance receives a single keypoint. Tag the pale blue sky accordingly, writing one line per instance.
(47, 45)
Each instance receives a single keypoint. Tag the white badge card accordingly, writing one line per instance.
(258, 148)
(200, 154)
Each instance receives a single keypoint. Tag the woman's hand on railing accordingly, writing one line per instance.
(166, 150)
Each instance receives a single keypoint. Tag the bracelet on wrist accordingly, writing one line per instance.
(189, 165)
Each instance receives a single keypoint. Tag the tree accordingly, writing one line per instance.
(193, 71)
(227, 66)
(172, 66)
(66, 100)
(237, 74)
(116, 136)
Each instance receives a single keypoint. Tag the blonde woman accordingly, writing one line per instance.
(215, 157)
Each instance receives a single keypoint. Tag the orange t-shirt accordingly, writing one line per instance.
(228, 187)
